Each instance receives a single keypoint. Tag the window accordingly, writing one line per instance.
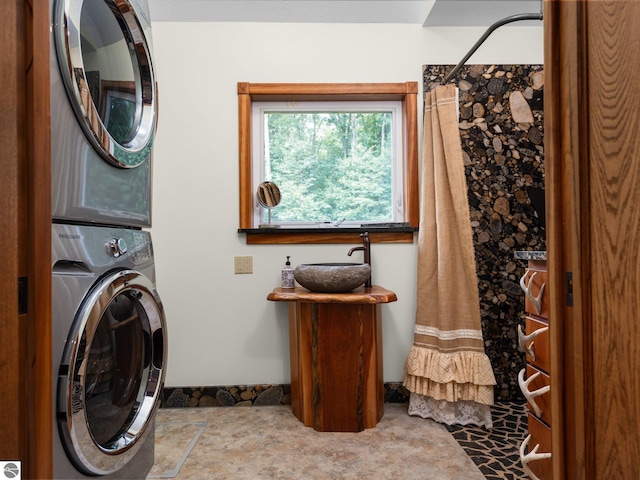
(341, 153)
(334, 162)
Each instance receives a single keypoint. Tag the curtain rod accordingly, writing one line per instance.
(499, 23)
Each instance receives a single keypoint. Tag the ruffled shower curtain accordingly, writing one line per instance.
(447, 371)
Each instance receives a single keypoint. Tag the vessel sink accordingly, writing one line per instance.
(332, 277)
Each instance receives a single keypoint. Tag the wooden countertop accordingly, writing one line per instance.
(375, 294)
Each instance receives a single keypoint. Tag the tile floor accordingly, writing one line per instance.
(270, 443)
(496, 451)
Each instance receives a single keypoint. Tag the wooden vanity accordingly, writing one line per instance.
(335, 346)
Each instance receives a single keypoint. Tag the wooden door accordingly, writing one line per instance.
(592, 120)
(25, 225)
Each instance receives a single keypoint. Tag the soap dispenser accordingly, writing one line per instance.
(287, 275)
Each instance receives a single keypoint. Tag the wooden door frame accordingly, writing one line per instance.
(590, 197)
(564, 132)
(25, 221)
(13, 419)
(567, 160)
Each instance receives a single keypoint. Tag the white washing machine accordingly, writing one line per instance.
(109, 352)
(103, 112)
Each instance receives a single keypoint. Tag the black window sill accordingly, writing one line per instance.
(377, 234)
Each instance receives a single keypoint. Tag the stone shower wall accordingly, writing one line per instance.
(501, 128)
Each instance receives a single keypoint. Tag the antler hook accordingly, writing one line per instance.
(535, 301)
(531, 395)
(523, 339)
(532, 456)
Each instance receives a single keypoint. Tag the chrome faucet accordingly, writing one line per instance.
(366, 248)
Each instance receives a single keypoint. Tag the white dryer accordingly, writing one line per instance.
(103, 112)
(109, 352)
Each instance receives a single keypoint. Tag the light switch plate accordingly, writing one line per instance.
(243, 264)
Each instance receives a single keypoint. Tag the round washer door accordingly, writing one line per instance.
(106, 65)
(112, 373)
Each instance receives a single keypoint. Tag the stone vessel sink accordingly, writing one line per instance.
(332, 277)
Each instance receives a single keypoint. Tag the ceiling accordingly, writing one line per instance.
(422, 12)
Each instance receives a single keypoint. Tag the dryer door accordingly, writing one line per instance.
(105, 62)
(112, 373)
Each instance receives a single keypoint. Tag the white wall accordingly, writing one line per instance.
(222, 330)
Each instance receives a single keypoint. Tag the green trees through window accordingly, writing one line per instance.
(330, 165)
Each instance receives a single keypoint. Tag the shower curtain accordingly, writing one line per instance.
(447, 371)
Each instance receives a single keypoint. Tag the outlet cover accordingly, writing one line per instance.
(243, 264)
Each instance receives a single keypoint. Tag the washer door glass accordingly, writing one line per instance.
(112, 373)
(108, 74)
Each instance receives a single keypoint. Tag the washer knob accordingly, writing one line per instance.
(117, 247)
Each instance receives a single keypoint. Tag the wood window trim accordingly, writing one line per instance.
(248, 93)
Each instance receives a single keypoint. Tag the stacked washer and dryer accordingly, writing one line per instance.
(109, 332)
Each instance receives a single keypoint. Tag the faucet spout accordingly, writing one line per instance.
(366, 249)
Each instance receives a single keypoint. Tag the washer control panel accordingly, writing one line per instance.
(117, 247)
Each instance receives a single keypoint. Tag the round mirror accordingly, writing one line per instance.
(268, 197)
(268, 194)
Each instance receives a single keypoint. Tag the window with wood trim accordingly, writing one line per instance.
(258, 102)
